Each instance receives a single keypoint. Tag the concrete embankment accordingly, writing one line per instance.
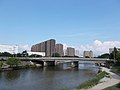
(107, 81)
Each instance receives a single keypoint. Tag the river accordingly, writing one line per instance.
(47, 78)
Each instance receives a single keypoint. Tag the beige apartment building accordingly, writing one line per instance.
(88, 54)
(59, 49)
(47, 46)
(70, 51)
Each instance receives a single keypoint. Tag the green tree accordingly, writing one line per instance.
(87, 57)
(13, 62)
(35, 55)
(106, 55)
(56, 55)
(19, 55)
(5, 54)
(115, 55)
(118, 57)
(24, 53)
(111, 56)
(115, 52)
(1, 64)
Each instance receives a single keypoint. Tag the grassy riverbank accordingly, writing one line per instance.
(18, 67)
(115, 69)
(115, 87)
(90, 83)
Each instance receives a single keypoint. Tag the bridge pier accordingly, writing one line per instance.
(45, 64)
(55, 63)
(72, 64)
(75, 64)
(49, 63)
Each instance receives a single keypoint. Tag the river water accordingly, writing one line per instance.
(47, 78)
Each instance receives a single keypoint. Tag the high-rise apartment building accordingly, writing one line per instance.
(52, 47)
(70, 51)
(48, 47)
(59, 49)
(88, 54)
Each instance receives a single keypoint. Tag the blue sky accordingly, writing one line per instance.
(73, 22)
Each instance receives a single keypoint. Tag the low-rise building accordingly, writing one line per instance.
(36, 53)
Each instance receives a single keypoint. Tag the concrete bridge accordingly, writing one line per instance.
(46, 61)
(53, 61)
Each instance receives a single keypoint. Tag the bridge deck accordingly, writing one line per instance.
(60, 59)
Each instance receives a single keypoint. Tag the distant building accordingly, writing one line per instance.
(12, 49)
(59, 49)
(48, 47)
(88, 54)
(70, 51)
(112, 49)
(36, 53)
(65, 52)
(77, 53)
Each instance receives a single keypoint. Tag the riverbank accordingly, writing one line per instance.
(17, 68)
(103, 80)
(90, 83)
(107, 81)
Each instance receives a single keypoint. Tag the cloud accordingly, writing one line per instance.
(65, 46)
(24, 47)
(100, 47)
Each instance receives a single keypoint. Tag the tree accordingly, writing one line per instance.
(76, 56)
(35, 55)
(87, 57)
(1, 64)
(56, 55)
(106, 55)
(111, 56)
(13, 62)
(24, 53)
(19, 55)
(115, 52)
(6, 54)
(118, 56)
(115, 55)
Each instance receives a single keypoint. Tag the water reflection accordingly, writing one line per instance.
(47, 78)
(12, 75)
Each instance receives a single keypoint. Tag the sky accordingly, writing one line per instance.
(83, 24)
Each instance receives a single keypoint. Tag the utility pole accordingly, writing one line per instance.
(114, 54)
